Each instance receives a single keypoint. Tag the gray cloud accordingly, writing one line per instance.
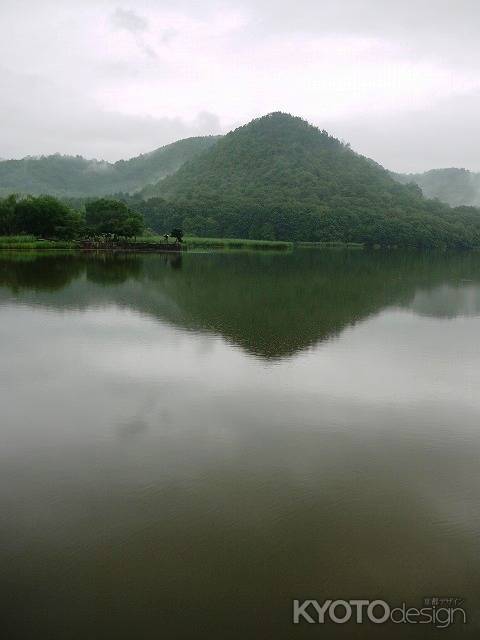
(72, 124)
(416, 23)
(400, 81)
(413, 142)
(135, 24)
(129, 20)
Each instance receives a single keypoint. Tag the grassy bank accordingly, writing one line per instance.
(235, 243)
(22, 243)
(196, 242)
(330, 245)
(192, 242)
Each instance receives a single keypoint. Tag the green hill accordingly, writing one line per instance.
(280, 159)
(75, 176)
(456, 187)
(279, 177)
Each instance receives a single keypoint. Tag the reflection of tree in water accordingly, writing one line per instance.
(39, 272)
(110, 269)
(174, 261)
(272, 305)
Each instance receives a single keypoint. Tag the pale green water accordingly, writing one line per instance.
(189, 444)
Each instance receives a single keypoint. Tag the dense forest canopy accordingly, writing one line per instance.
(62, 176)
(276, 178)
(281, 178)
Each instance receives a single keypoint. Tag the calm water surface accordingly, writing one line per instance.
(187, 444)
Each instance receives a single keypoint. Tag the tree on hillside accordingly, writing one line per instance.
(108, 217)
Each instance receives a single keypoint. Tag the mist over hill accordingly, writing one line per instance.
(74, 176)
(456, 187)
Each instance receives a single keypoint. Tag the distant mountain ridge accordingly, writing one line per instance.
(454, 186)
(75, 176)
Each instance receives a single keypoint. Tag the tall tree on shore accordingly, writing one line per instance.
(109, 217)
(46, 217)
(7, 215)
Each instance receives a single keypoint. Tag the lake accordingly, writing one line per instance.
(190, 442)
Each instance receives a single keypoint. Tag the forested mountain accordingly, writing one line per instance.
(454, 186)
(279, 177)
(280, 159)
(75, 176)
(276, 178)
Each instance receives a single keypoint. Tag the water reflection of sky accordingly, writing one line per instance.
(181, 466)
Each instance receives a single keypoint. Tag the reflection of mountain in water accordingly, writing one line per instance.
(448, 301)
(271, 305)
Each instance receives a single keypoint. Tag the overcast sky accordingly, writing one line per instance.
(110, 79)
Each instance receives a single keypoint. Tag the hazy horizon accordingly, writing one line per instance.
(111, 80)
